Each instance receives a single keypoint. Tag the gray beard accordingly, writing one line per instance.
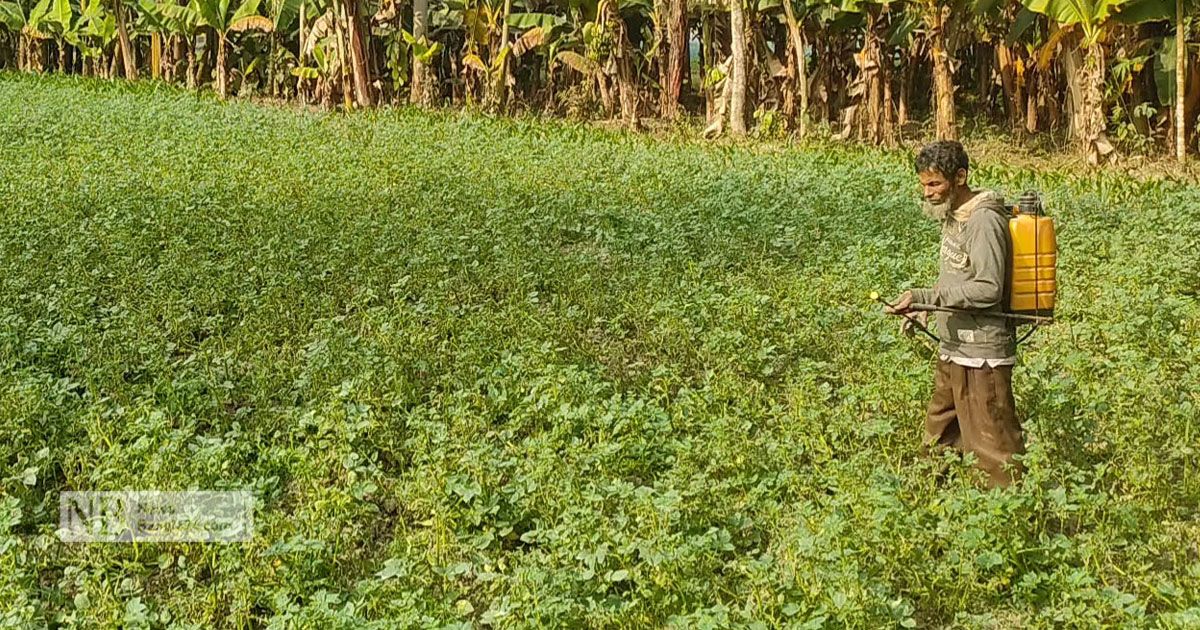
(937, 211)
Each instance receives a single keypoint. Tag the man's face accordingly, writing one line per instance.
(937, 188)
(938, 193)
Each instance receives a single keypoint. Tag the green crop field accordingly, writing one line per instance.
(521, 373)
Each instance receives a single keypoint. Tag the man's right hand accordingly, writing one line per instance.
(902, 304)
(909, 325)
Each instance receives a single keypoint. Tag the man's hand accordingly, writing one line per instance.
(908, 326)
(901, 305)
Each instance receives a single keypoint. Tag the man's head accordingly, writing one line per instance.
(942, 167)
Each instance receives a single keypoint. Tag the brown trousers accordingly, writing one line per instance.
(973, 410)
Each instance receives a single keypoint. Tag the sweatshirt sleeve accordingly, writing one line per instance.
(986, 236)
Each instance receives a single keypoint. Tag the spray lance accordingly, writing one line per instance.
(915, 322)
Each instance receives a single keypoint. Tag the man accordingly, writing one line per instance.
(972, 407)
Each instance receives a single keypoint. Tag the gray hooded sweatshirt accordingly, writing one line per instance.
(974, 275)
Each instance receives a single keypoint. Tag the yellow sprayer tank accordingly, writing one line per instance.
(1034, 259)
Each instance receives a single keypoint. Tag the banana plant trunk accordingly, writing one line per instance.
(943, 73)
(127, 57)
(709, 61)
(1011, 78)
(1180, 83)
(737, 75)
(301, 88)
(343, 63)
(191, 62)
(1090, 118)
(676, 54)
(626, 86)
(178, 53)
(155, 55)
(907, 78)
(222, 71)
(873, 69)
(500, 84)
(358, 56)
(870, 111)
(623, 59)
(420, 93)
(797, 37)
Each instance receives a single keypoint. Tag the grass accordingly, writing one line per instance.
(519, 373)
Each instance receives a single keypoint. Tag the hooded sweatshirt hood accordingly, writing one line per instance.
(985, 200)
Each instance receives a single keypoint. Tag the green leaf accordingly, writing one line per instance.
(1140, 11)
(11, 15)
(531, 20)
(61, 13)
(1025, 18)
(983, 7)
(1164, 71)
(908, 23)
(284, 12)
(248, 9)
(1089, 13)
(429, 53)
(210, 13)
(392, 568)
(38, 13)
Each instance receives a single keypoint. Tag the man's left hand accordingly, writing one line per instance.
(913, 321)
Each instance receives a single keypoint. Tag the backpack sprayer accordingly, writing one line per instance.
(1033, 266)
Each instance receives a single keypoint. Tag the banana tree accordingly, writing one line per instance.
(872, 112)
(226, 20)
(315, 41)
(486, 49)
(422, 52)
(96, 34)
(799, 17)
(182, 21)
(795, 14)
(1090, 20)
(57, 20)
(283, 14)
(325, 42)
(607, 45)
(1181, 69)
(408, 57)
(673, 15)
(151, 20)
(89, 31)
(126, 49)
(737, 68)
(537, 39)
(939, 17)
(1176, 11)
(27, 21)
(583, 50)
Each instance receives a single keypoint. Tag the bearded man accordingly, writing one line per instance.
(972, 408)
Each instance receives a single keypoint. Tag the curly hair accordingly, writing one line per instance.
(943, 156)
